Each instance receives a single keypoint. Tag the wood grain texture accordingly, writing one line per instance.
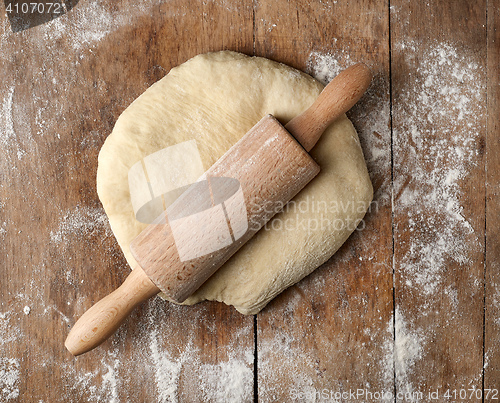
(64, 85)
(332, 332)
(492, 266)
(439, 121)
(436, 67)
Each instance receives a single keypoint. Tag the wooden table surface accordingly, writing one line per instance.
(407, 310)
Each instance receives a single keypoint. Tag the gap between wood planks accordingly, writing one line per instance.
(389, 38)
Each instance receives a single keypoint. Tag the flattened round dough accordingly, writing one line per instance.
(215, 99)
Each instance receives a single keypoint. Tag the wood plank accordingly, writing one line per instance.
(332, 332)
(439, 109)
(492, 275)
(66, 83)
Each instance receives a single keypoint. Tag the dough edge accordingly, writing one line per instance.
(275, 258)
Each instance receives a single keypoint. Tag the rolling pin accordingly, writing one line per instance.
(235, 197)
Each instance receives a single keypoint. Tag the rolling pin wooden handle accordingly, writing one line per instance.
(102, 319)
(337, 98)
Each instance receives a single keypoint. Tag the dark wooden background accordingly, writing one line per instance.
(409, 305)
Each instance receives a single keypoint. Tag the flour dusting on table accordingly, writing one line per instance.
(437, 146)
(110, 380)
(7, 131)
(167, 369)
(408, 350)
(81, 222)
(228, 380)
(324, 67)
(372, 115)
(439, 136)
(231, 380)
(439, 133)
(9, 328)
(90, 22)
(101, 384)
(35, 116)
(9, 378)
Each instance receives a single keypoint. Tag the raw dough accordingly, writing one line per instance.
(214, 99)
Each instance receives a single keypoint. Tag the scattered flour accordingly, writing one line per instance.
(167, 369)
(7, 133)
(443, 102)
(324, 67)
(62, 315)
(89, 22)
(100, 385)
(439, 118)
(268, 26)
(408, 350)
(401, 355)
(228, 381)
(297, 369)
(9, 328)
(286, 367)
(81, 221)
(388, 355)
(440, 121)
(26, 310)
(372, 113)
(9, 378)
(13, 145)
(109, 379)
